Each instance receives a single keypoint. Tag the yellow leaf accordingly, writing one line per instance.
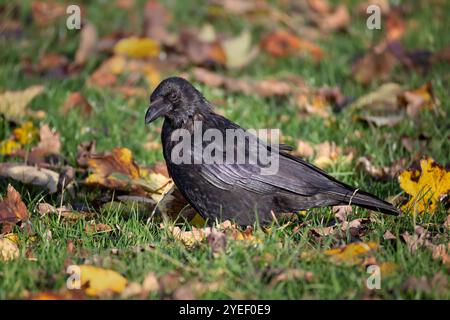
(13, 103)
(351, 253)
(426, 186)
(137, 47)
(107, 169)
(8, 249)
(21, 136)
(25, 133)
(9, 146)
(98, 281)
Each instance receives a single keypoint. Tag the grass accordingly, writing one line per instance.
(242, 270)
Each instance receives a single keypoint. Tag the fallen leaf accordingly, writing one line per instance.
(13, 104)
(447, 223)
(88, 42)
(416, 100)
(441, 252)
(242, 7)
(137, 47)
(337, 20)
(21, 136)
(93, 227)
(197, 235)
(377, 63)
(201, 52)
(101, 282)
(304, 149)
(156, 18)
(282, 43)
(8, 248)
(41, 177)
(265, 88)
(389, 236)
(423, 284)
(65, 212)
(291, 274)
(239, 51)
(49, 143)
(84, 152)
(426, 186)
(46, 12)
(76, 100)
(341, 212)
(352, 253)
(107, 169)
(12, 210)
(381, 173)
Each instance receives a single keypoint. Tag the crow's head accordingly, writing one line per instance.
(175, 99)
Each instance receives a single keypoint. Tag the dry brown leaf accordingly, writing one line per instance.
(377, 63)
(8, 248)
(13, 104)
(337, 20)
(381, 173)
(108, 168)
(416, 100)
(201, 52)
(76, 100)
(439, 283)
(12, 210)
(31, 175)
(84, 152)
(441, 252)
(282, 43)
(304, 149)
(88, 42)
(93, 227)
(266, 87)
(291, 274)
(46, 12)
(65, 212)
(341, 212)
(197, 235)
(389, 236)
(50, 142)
(156, 19)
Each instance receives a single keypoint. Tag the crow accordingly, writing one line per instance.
(239, 191)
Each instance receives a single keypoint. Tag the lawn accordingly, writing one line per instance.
(289, 260)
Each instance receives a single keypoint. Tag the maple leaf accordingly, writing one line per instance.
(12, 210)
(113, 170)
(426, 186)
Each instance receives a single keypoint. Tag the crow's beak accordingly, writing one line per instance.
(157, 109)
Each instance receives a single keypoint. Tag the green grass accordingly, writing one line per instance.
(242, 268)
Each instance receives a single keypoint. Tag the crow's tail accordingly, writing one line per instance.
(367, 200)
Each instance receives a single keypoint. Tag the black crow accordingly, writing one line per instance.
(239, 191)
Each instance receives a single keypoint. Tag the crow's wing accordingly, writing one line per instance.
(294, 175)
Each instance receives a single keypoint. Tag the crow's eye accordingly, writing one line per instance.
(173, 96)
